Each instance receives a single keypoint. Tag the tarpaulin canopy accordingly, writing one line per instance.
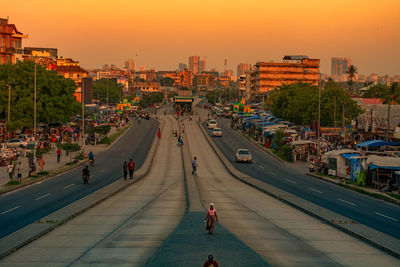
(376, 143)
(373, 166)
(349, 155)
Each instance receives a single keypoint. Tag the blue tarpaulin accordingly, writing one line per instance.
(376, 143)
(349, 155)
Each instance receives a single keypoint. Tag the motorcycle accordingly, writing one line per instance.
(91, 162)
(85, 178)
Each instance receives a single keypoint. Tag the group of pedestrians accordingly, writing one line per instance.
(128, 167)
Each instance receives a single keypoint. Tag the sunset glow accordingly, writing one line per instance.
(164, 33)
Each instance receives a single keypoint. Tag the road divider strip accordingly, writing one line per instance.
(11, 243)
(364, 233)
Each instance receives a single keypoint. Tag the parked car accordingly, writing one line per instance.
(243, 155)
(217, 132)
(17, 143)
(212, 124)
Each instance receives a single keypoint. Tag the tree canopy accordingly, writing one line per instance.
(114, 91)
(298, 103)
(54, 95)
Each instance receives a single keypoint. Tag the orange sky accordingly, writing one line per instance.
(163, 33)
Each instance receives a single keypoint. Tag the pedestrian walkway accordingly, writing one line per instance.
(280, 234)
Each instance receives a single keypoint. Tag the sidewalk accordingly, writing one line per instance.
(50, 159)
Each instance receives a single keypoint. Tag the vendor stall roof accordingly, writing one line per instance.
(301, 142)
(375, 143)
(383, 162)
(350, 155)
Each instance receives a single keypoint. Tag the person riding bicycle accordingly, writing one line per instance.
(194, 166)
(85, 174)
(91, 157)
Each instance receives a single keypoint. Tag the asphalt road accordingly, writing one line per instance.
(377, 214)
(25, 206)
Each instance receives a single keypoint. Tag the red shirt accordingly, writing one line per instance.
(131, 166)
(213, 263)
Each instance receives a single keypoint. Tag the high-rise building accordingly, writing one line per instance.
(242, 68)
(228, 73)
(182, 66)
(266, 76)
(339, 66)
(130, 65)
(194, 64)
(11, 50)
(202, 65)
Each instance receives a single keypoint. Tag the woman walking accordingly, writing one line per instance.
(211, 218)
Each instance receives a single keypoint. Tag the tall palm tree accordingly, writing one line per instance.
(392, 96)
(351, 73)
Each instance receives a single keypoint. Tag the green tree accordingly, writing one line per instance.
(377, 91)
(55, 95)
(392, 96)
(114, 91)
(298, 103)
(351, 73)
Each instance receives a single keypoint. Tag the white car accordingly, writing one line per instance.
(243, 155)
(17, 143)
(212, 124)
(217, 132)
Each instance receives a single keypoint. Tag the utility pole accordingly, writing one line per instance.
(334, 114)
(34, 120)
(319, 120)
(9, 102)
(107, 91)
(83, 117)
(343, 123)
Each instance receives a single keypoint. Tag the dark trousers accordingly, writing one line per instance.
(58, 158)
(125, 174)
(131, 174)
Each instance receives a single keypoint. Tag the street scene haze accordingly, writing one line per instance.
(200, 133)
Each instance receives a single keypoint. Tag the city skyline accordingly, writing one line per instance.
(162, 37)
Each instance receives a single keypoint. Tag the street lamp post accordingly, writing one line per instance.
(83, 118)
(34, 120)
(319, 121)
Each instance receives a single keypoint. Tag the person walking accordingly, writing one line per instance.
(19, 172)
(125, 168)
(159, 133)
(41, 164)
(10, 170)
(210, 262)
(131, 168)
(58, 154)
(211, 218)
(194, 166)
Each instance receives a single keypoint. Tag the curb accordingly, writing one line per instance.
(351, 187)
(11, 243)
(60, 170)
(364, 233)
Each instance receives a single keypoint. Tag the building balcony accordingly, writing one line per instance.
(11, 50)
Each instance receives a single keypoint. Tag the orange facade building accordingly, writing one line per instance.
(11, 50)
(266, 76)
(71, 69)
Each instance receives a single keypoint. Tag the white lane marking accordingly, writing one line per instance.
(261, 166)
(68, 186)
(383, 215)
(102, 170)
(345, 201)
(48, 194)
(272, 173)
(4, 212)
(122, 154)
(291, 181)
(315, 190)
